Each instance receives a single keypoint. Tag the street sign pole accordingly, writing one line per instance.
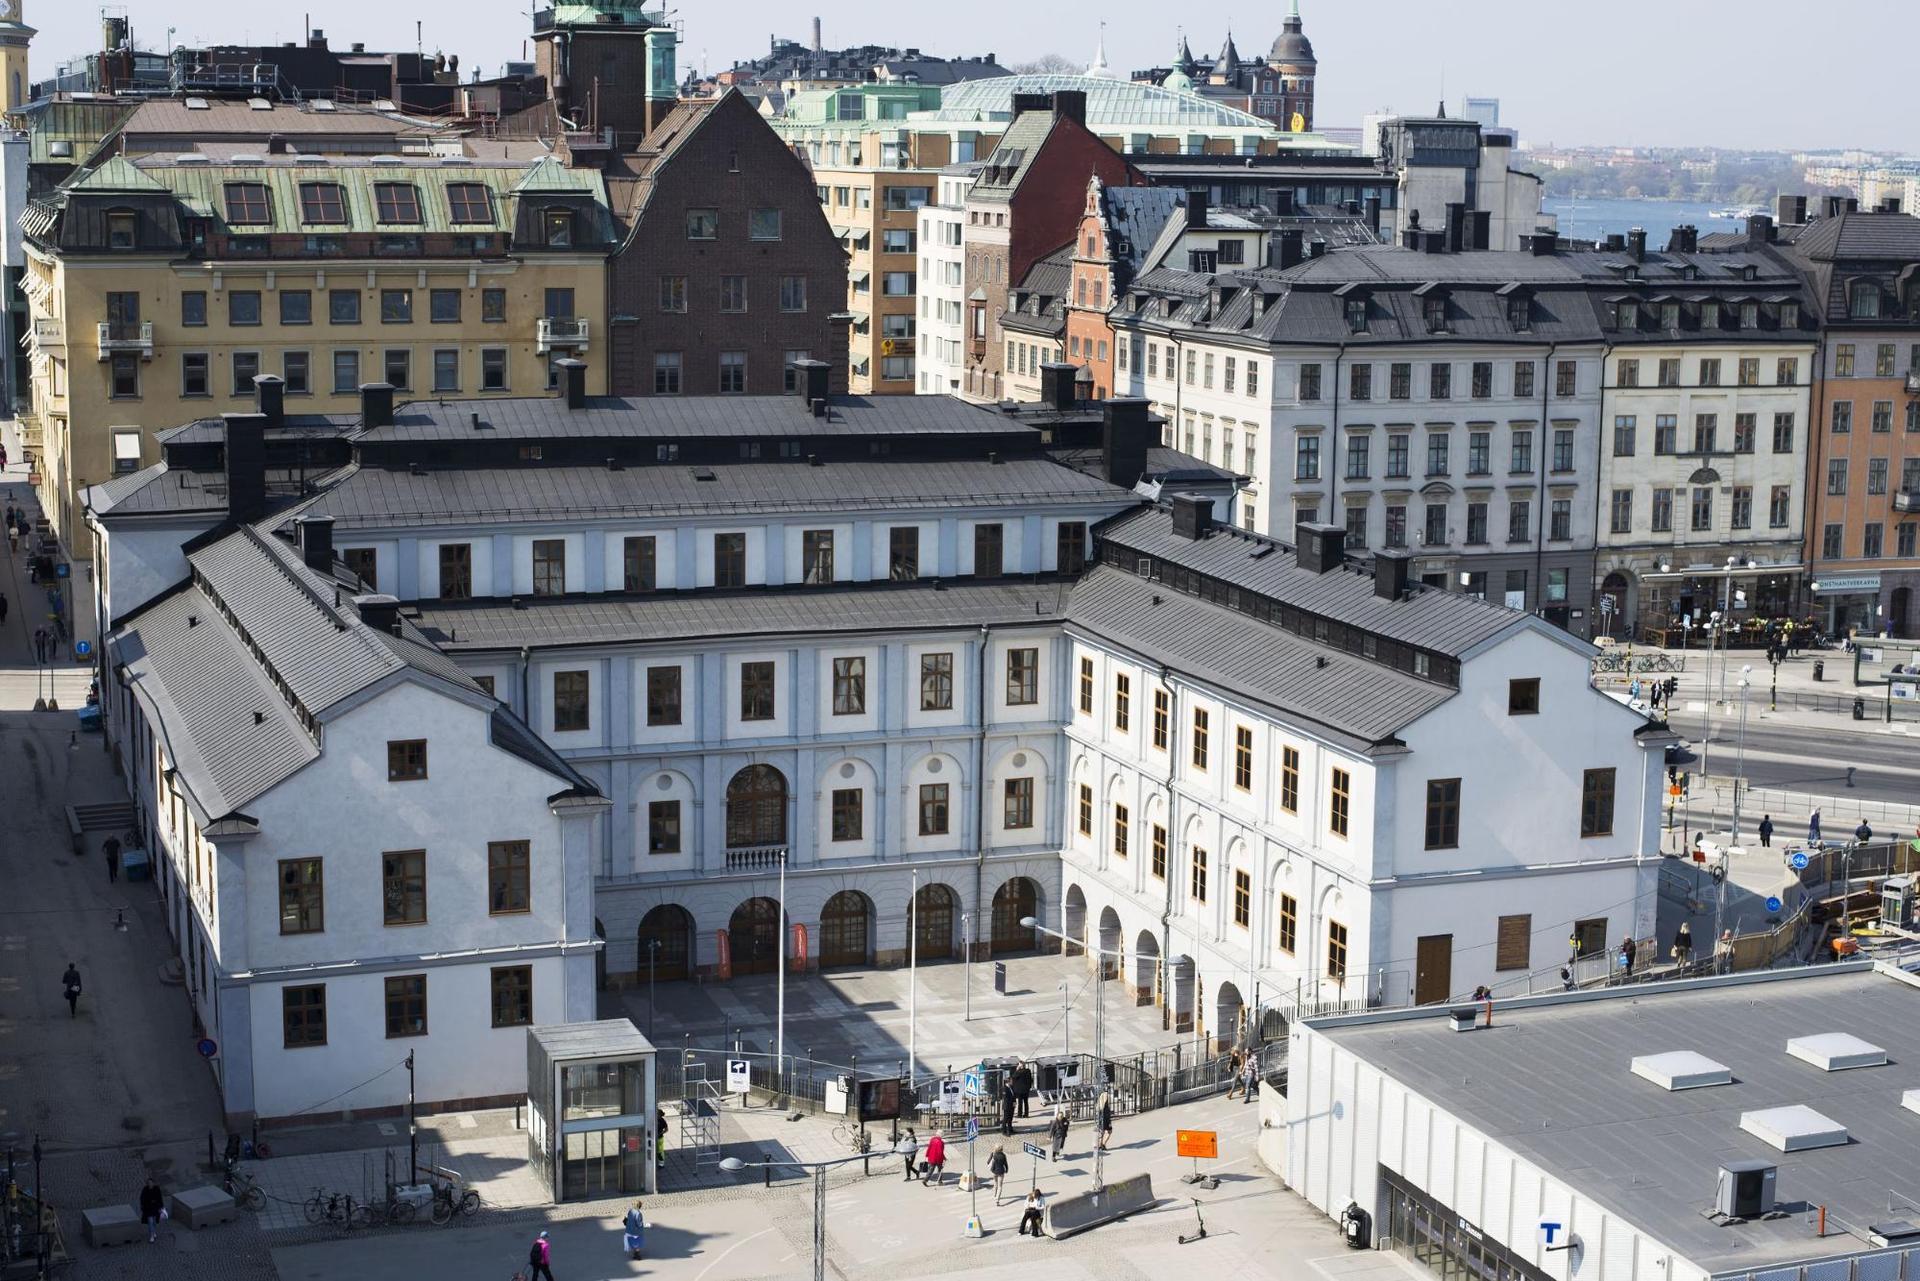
(974, 1227)
(1038, 1153)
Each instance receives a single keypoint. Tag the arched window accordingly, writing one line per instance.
(757, 808)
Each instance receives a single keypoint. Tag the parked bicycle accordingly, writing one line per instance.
(244, 1189)
(849, 1135)
(393, 1211)
(449, 1200)
(338, 1209)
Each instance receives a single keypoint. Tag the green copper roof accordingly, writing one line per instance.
(116, 174)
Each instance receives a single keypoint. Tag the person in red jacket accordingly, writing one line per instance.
(936, 1158)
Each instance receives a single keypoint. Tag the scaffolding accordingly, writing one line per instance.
(700, 1114)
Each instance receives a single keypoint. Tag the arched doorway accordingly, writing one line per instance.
(756, 810)
(1227, 1007)
(930, 917)
(1013, 902)
(1110, 943)
(753, 932)
(1073, 920)
(1614, 588)
(845, 924)
(666, 943)
(1146, 967)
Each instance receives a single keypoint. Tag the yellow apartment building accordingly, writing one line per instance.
(159, 286)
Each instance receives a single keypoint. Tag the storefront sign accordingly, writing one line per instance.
(1846, 584)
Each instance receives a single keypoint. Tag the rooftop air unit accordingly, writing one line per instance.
(1745, 1189)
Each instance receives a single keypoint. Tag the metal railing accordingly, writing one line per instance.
(117, 335)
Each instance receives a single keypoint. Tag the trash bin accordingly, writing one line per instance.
(1819, 669)
(1859, 709)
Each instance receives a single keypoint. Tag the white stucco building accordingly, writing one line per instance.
(943, 266)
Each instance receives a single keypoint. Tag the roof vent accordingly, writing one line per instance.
(1899, 1231)
(246, 158)
(1911, 1101)
(322, 104)
(1794, 1129)
(1681, 1070)
(259, 104)
(1836, 1051)
(193, 158)
(383, 104)
(456, 160)
(60, 147)
(198, 104)
(384, 160)
(703, 473)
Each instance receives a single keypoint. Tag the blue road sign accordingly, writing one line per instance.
(207, 1046)
(973, 1081)
(1773, 904)
(1799, 861)
(83, 648)
(1035, 1151)
(973, 1128)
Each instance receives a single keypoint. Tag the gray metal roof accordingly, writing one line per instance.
(678, 417)
(602, 1039)
(1445, 622)
(377, 498)
(1359, 701)
(157, 490)
(213, 431)
(1552, 1082)
(718, 616)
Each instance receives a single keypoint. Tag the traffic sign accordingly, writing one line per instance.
(737, 1076)
(974, 1081)
(1551, 1234)
(973, 1128)
(1799, 861)
(1035, 1151)
(208, 1047)
(1773, 903)
(1197, 1143)
(83, 648)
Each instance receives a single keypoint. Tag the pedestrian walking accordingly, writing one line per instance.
(39, 644)
(1683, 945)
(1566, 978)
(1022, 1084)
(1627, 949)
(1813, 828)
(660, 1137)
(635, 1231)
(1103, 1112)
(1007, 1105)
(1863, 833)
(153, 1207)
(111, 848)
(997, 1167)
(13, 538)
(70, 983)
(1031, 1217)
(1766, 831)
(1058, 1130)
(1249, 1078)
(936, 1160)
(540, 1259)
(1233, 1073)
(910, 1147)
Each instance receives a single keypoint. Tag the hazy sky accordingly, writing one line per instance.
(1759, 73)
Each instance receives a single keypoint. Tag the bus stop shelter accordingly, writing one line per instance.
(592, 1103)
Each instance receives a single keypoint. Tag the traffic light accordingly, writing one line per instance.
(1672, 686)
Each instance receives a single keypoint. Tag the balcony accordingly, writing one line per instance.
(756, 858)
(1906, 500)
(1913, 383)
(118, 336)
(561, 333)
(49, 331)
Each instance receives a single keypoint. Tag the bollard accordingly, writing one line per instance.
(210, 1165)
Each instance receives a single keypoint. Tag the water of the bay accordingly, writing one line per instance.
(1593, 219)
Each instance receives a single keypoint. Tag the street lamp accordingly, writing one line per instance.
(1740, 752)
(1099, 1035)
(653, 960)
(734, 1165)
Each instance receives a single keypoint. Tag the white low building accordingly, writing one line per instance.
(1310, 785)
(1758, 1127)
(363, 856)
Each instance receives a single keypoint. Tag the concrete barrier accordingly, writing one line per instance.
(104, 1225)
(200, 1207)
(1067, 1215)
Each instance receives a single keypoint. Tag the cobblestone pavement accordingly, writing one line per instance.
(839, 1014)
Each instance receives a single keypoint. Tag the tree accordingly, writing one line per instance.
(1048, 64)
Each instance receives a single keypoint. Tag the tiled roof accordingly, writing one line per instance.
(376, 498)
(1449, 623)
(1347, 695)
(710, 617)
(172, 116)
(1861, 236)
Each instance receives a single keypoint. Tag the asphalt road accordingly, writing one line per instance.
(1811, 758)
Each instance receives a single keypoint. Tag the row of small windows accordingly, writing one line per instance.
(1706, 314)
(303, 1007)
(1873, 541)
(245, 307)
(1708, 371)
(1439, 453)
(1440, 383)
(296, 369)
(321, 203)
(1844, 363)
(759, 683)
(1701, 508)
(1706, 435)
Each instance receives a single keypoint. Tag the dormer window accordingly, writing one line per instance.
(559, 227)
(1689, 272)
(1434, 309)
(1749, 315)
(1520, 313)
(323, 202)
(1863, 300)
(396, 202)
(247, 203)
(1709, 315)
(469, 202)
(122, 228)
(1628, 316)
(1748, 272)
(1789, 315)
(1669, 315)
(1357, 315)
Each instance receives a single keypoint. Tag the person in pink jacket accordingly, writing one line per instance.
(539, 1259)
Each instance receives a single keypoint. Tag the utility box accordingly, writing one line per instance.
(1896, 902)
(1745, 1189)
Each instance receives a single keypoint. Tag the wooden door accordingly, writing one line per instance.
(1433, 974)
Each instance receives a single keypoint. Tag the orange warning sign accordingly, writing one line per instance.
(1197, 1143)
